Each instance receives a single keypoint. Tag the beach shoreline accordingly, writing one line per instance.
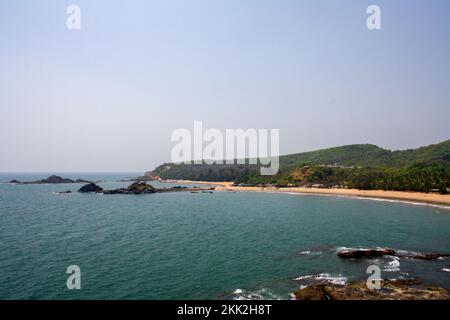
(403, 196)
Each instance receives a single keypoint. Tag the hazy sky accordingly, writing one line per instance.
(107, 97)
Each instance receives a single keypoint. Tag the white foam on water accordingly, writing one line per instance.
(393, 265)
(375, 199)
(310, 253)
(261, 294)
(323, 277)
(406, 202)
(446, 269)
(343, 249)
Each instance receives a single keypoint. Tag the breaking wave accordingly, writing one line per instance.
(321, 278)
(310, 253)
(393, 265)
(261, 294)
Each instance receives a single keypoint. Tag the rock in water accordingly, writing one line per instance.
(91, 187)
(391, 290)
(54, 179)
(51, 180)
(134, 188)
(141, 187)
(365, 253)
(421, 255)
(64, 192)
(380, 252)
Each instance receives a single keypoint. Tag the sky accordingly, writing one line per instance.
(108, 96)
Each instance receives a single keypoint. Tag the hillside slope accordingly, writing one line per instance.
(363, 166)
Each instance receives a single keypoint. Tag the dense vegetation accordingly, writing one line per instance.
(354, 166)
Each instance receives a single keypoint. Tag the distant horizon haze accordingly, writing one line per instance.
(168, 161)
(106, 97)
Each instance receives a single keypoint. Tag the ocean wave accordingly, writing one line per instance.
(321, 278)
(261, 294)
(343, 249)
(446, 269)
(393, 265)
(440, 206)
(310, 253)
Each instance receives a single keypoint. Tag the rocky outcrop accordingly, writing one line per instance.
(365, 253)
(14, 181)
(391, 290)
(134, 188)
(91, 187)
(380, 252)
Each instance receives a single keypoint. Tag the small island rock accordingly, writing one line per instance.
(91, 187)
(134, 188)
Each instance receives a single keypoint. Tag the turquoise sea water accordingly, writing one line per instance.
(200, 246)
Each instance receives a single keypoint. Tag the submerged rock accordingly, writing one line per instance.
(365, 253)
(380, 252)
(421, 255)
(91, 187)
(391, 290)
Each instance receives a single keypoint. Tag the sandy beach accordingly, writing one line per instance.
(419, 197)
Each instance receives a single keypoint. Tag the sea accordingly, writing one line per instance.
(183, 245)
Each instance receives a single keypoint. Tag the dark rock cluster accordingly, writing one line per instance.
(380, 252)
(134, 188)
(365, 253)
(137, 188)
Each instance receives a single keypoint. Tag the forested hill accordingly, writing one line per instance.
(363, 166)
(368, 155)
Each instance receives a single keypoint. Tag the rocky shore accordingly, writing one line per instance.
(326, 286)
(390, 290)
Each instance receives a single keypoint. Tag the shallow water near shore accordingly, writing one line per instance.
(201, 246)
